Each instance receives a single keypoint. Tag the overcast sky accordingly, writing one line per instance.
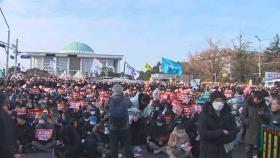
(142, 30)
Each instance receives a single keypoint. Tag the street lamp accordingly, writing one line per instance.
(8, 44)
(260, 49)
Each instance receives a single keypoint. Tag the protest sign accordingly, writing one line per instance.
(43, 134)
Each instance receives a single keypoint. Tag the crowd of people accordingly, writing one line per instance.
(98, 119)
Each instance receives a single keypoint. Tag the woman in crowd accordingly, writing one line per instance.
(217, 128)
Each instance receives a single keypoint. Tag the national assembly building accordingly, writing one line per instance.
(74, 57)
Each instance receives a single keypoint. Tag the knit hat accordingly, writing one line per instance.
(217, 94)
(117, 88)
(258, 94)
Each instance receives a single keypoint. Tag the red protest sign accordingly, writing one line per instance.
(84, 103)
(43, 134)
(75, 105)
(183, 97)
(33, 112)
(34, 91)
(21, 111)
(177, 107)
(61, 91)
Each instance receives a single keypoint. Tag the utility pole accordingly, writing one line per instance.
(260, 49)
(16, 54)
(8, 44)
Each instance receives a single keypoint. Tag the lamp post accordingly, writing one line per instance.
(16, 55)
(260, 49)
(8, 44)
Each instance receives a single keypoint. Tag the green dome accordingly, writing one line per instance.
(77, 48)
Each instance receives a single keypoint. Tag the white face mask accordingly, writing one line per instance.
(218, 106)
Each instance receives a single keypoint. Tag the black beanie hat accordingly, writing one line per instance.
(258, 94)
(217, 94)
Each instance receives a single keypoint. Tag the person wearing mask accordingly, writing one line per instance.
(138, 132)
(275, 108)
(45, 136)
(254, 114)
(119, 122)
(216, 127)
(7, 131)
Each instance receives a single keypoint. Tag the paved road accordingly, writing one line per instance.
(239, 153)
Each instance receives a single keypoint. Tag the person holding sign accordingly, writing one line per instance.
(44, 135)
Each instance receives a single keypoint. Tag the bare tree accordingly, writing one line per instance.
(209, 63)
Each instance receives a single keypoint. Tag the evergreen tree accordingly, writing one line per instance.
(273, 50)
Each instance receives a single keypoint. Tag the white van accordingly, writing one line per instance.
(272, 83)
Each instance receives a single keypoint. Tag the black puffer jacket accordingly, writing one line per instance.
(7, 135)
(211, 127)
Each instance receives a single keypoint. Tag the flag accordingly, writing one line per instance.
(129, 70)
(171, 67)
(96, 66)
(148, 67)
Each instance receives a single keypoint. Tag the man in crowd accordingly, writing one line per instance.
(119, 122)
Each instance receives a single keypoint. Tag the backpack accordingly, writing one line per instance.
(118, 113)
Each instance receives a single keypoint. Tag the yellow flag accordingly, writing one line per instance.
(148, 67)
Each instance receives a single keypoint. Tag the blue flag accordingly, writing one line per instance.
(171, 67)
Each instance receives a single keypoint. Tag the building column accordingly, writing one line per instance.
(55, 67)
(32, 62)
(81, 65)
(106, 63)
(68, 67)
(119, 66)
(43, 63)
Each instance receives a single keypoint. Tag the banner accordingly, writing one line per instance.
(129, 70)
(272, 75)
(171, 67)
(96, 66)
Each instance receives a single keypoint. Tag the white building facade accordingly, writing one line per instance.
(74, 57)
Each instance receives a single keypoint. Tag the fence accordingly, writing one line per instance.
(270, 138)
